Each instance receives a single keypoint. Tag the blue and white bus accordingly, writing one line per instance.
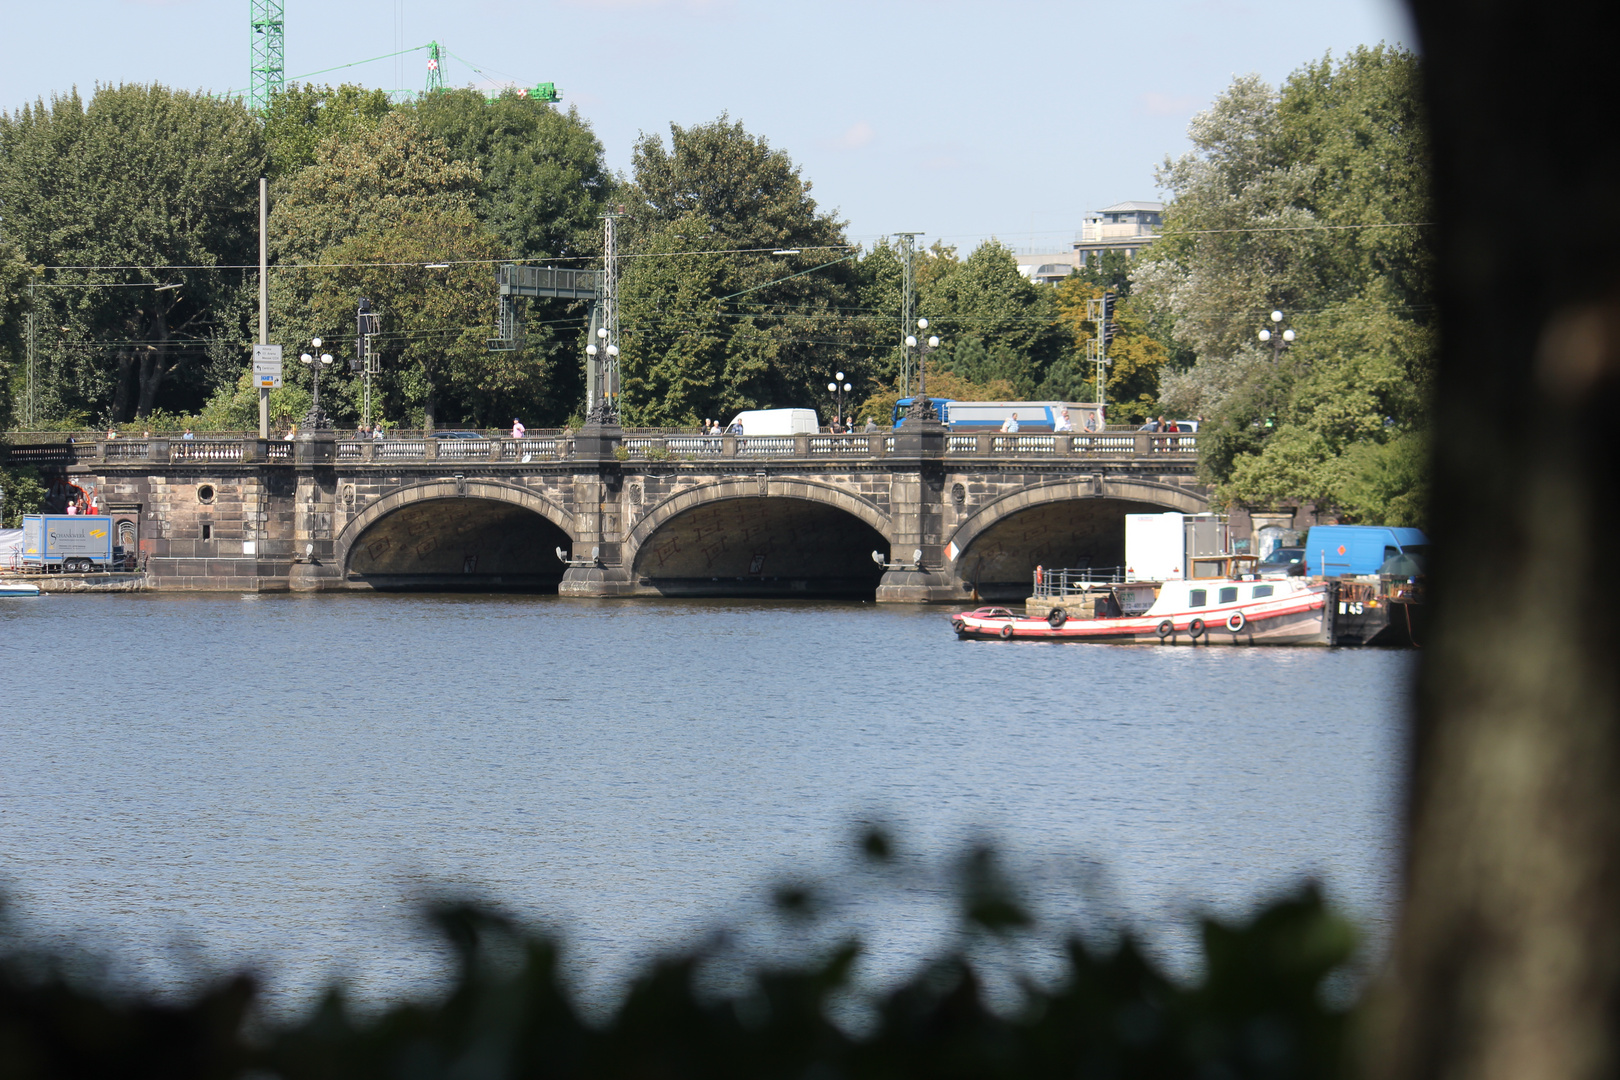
(1033, 416)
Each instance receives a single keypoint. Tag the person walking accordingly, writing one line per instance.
(518, 430)
(1009, 426)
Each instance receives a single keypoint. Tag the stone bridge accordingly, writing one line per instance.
(632, 514)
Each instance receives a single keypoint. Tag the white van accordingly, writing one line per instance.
(774, 422)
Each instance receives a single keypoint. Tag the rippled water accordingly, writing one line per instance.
(280, 779)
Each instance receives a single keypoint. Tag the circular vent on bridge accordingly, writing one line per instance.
(205, 493)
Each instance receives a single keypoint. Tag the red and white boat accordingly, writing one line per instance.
(1202, 611)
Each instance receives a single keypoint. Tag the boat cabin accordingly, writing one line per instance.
(1182, 596)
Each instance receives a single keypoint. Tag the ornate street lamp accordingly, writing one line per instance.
(605, 409)
(839, 387)
(921, 408)
(1279, 342)
(316, 419)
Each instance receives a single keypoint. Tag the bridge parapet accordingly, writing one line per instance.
(673, 446)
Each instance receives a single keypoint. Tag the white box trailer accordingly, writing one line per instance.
(1155, 547)
(1161, 547)
(68, 542)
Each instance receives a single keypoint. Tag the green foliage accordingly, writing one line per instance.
(14, 274)
(542, 180)
(1262, 1009)
(367, 220)
(1311, 425)
(1136, 356)
(25, 494)
(711, 332)
(300, 118)
(1271, 210)
(1107, 271)
(995, 324)
(142, 182)
(677, 362)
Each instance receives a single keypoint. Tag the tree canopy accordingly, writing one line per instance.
(783, 323)
(132, 200)
(1312, 200)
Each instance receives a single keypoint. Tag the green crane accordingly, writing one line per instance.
(267, 69)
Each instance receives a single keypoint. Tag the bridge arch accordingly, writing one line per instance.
(753, 535)
(455, 534)
(1077, 521)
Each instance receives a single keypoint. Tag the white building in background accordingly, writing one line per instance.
(1126, 226)
(1046, 267)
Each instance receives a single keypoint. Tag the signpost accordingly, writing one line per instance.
(267, 367)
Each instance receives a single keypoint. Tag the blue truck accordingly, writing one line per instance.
(69, 543)
(1335, 550)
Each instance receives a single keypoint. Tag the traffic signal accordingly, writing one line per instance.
(1109, 329)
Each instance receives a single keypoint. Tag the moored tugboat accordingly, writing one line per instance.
(1203, 611)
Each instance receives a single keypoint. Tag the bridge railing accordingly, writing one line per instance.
(648, 446)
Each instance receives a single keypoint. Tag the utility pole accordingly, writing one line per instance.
(264, 299)
(31, 301)
(908, 290)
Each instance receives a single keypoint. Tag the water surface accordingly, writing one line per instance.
(279, 780)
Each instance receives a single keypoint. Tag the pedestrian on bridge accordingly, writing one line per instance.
(518, 430)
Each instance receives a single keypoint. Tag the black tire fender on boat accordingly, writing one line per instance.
(1196, 629)
(1166, 628)
(1006, 631)
(1056, 617)
(1235, 622)
(958, 625)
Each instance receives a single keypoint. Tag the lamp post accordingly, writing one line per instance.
(605, 408)
(315, 419)
(921, 407)
(840, 388)
(1279, 342)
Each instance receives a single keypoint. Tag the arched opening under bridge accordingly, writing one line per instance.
(1068, 533)
(465, 544)
(760, 546)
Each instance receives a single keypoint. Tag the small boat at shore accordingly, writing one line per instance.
(1206, 611)
(18, 588)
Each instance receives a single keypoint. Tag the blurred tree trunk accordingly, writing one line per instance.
(1507, 961)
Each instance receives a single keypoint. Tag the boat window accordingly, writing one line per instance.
(1229, 595)
(1261, 590)
(1197, 597)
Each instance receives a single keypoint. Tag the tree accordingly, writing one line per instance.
(134, 198)
(678, 370)
(1135, 356)
(1506, 960)
(301, 117)
(542, 181)
(14, 274)
(1306, 426)
(996, 324)
(1314, 200)
(368, 219)
(784, 318)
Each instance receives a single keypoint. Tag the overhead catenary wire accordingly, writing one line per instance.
(669, 254)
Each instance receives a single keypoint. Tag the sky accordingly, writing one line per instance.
(962, 121)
